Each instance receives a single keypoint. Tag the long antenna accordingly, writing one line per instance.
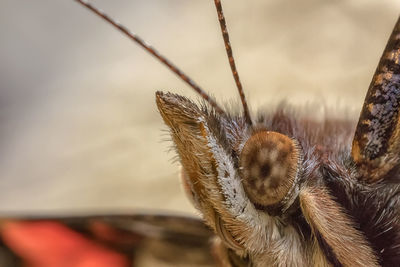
(228, 49)
(155, 53)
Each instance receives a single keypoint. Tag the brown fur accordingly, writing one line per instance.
(336, 228)
(190, 138)
(284, 238)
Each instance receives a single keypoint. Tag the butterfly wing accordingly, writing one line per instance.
(137, 240)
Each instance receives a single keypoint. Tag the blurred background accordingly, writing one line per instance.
(80, 131)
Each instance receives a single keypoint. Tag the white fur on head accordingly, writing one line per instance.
(262, 233)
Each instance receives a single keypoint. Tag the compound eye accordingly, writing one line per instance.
(269, 164)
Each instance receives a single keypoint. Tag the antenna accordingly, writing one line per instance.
(228, 49)
(155, 53)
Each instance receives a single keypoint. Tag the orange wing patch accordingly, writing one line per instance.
(51, 244)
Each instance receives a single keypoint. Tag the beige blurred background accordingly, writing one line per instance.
(79, 127)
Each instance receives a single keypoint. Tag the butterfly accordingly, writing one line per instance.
(280, 190)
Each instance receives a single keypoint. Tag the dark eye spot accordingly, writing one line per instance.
(265, 170)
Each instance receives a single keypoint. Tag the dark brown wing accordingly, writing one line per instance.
(117, 240)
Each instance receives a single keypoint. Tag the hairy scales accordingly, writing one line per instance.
(285, 237)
